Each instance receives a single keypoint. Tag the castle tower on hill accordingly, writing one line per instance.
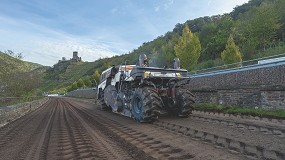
(75, 57)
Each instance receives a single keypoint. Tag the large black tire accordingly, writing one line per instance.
(100, 101)
(101, 104)
(145, 104)
(185, 100)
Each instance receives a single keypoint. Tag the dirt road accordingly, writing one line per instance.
(66, 128)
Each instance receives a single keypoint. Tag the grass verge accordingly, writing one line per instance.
(278, 114)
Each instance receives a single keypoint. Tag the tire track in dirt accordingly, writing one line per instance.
(151, 140)
(241, 138)
(68, 129)
(73, 141)
(107, 143)
(8, 132)
(241, 146)
(23, 133)
(57, 131)
(265, 128)
(39, 149)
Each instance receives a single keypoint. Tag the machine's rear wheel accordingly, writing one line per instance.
(145, 104)
(185, 100)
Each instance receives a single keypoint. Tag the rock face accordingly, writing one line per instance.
(10, 113)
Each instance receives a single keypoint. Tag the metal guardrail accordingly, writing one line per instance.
(243, 66)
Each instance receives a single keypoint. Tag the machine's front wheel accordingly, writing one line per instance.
(145, 104)
(185, 100)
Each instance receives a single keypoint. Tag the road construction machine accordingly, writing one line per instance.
(145, 93)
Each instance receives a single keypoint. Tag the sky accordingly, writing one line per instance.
(44, 31)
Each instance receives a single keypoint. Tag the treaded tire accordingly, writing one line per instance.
(185, 100)
(145, 104)
(101, 103)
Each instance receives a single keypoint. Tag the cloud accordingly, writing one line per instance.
(168, 4)
(157, 8)
(210, 2)
(57, 48)
(225, 6)
(114, 10)
(165, 5)
(46, 46)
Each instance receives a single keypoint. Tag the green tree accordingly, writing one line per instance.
(231, 54)
(258, 27)
(188, 48)
(80, 83)
(214, 37)
(169, 51)
(280, 5)
(96, 76)
(73, 86)
(87, 81)
(165, 54)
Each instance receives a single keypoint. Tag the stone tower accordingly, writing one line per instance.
(75, 57)
(75, 54)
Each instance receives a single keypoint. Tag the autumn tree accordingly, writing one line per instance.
(231, 54)
(188, 48)
(96, 76)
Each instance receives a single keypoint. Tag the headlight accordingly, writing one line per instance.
(178, 75)
(146, 74)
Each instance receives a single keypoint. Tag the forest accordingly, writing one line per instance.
(256, 28)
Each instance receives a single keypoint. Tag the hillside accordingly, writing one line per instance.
(60, 78)
(10, 63)
(257, 28)
(19, 78)
(62, 75)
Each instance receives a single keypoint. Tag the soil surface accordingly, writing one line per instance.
(69, 128)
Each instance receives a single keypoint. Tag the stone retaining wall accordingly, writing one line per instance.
(10, 113)
(273, 99)
(269, 98)
(257, 88)
(248, 78)
(82, 93)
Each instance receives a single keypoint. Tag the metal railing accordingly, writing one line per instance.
(240, 66)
